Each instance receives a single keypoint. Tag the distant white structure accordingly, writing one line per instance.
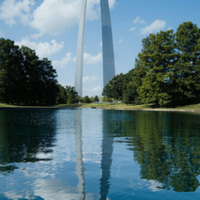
(107, 45)
(80, 50)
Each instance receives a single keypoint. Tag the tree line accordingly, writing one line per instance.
(27, 80)
(68, 95)
(167, 70)
(24, 78)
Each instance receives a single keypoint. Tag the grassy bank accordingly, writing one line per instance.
(114, 106)
(4, 106)
(121, 106)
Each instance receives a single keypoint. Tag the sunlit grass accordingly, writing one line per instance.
(4, 105)
(117, 106)
(7, 105)
(139, 107)
(193, 106)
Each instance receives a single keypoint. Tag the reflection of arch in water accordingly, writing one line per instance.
(106, 161)
(79, 153)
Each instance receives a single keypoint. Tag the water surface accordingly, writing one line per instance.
(99, 154)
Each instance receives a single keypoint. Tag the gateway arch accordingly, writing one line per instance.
(107, 46)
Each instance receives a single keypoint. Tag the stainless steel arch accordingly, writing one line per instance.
(107, 46)
(80, 50)
(107, 43)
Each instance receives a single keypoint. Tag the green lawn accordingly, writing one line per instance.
(6, 105)
(193, 106)
(120, 106)
(115, 105)
(139, 107)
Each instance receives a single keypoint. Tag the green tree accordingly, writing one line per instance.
(48, 78)
(170, 67)
(114, 88)
(167, 70)
(62, 95)
(25, 79)
(86, 99)
(92, 99)
(157, 59)
(130, 95)
(12, 72)
(186, 79)
(70, 99)
(40, 83)
(96, 98)
(72, 95)
(107, 99)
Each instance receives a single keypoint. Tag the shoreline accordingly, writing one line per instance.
(111, 106)
(116, 106)
(150, 109)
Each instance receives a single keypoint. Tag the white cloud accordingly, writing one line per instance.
(89, 79)
(137, 20)
(97, 89)
(49, 190)
(154, 186)
(59, 64)
(100, 44)
(51, 16)
(132, 29)
(112, 3)
(56, 16)
(43, 49)
(56, 189)
(89, 59)
(170, 28)
(1, 34)
(120, 41)
(14, 195)
(12, 9)
(156, 26)
(91, 85)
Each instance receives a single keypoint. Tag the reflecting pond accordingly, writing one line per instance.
(91, 154)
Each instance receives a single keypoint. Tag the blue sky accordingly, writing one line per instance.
(50, 27)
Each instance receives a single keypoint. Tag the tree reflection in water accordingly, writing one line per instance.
(24, 136)
(167, 147)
